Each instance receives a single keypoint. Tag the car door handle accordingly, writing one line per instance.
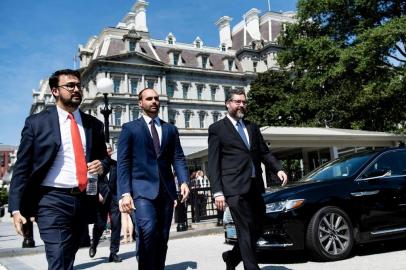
(364, 193)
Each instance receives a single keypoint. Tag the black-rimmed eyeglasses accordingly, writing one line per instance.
(239, 102)
(70, 87)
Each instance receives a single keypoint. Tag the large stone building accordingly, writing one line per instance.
(191, 78)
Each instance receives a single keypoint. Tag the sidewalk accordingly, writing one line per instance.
(11, 242)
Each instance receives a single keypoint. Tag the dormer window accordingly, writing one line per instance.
(176, 58)
(170, 39)
(205, 59)
(223, 47)
(131, 40)
(230, 64)
(132, 45)
(198, 42)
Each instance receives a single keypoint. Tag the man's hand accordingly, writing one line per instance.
(126, 204)
(19, 220)
(220, 202)
(283, 177)
(95, 167)
(101, 199)
(184, 191)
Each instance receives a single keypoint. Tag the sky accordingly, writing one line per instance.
(39, 37)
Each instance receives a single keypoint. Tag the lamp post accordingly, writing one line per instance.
(105, 86)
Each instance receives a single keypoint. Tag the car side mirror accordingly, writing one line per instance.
(378, 173)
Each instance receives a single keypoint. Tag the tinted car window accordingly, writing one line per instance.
(388, 164)
(339, 168)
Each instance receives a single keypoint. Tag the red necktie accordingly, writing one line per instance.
(80, 160)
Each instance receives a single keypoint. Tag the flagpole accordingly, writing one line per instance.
(269, 6)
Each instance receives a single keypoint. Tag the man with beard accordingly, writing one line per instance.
(148, 148)
(236, 150)
(58, 148)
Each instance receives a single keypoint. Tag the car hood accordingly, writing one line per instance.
(295, 189)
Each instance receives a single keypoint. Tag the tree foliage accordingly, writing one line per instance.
(344, 66)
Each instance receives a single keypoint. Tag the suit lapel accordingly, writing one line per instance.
(249, 129)
(233, 131)
(165, 131)
(88, 134)
(54, 124)
(145, 131)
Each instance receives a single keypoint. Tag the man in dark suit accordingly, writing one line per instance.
(147, 148)
(58, 148)
(236, 150)
(108, 203)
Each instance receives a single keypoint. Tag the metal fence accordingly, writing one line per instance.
(201, 204)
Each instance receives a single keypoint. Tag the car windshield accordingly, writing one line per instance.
(340, 168)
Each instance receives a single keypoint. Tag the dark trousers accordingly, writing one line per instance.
(153, 221)
(110, 206)
(28, 230)
(247, 211)
(61, 220)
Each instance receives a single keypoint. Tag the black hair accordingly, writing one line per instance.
(54, 79)
(230, 93)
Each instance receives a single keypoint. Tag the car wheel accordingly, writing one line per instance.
(330, 234)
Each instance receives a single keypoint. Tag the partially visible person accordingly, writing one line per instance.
(127, 228)
(108, 203)
(28, 234)
(148, 148)
(59, 147)
(236, 150)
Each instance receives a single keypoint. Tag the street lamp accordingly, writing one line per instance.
(105, 86)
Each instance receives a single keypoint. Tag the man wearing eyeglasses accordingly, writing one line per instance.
(236, 150)
(59, 147)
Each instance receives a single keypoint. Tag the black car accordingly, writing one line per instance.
(354, 199)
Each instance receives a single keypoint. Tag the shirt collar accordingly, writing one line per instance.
(234, 122)
(63, 115)
(148, 119)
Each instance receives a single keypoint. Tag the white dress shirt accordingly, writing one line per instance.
(62, 173)
(158, 126)
(242, 124)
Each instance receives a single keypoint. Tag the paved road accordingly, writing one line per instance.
(203, 252)
(198, 248)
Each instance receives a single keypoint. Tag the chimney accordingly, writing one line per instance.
(139, 9)
(252, 23)
(225, 31)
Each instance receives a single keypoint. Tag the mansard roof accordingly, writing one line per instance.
(113, 47)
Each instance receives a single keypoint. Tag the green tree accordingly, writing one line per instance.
(344, 65)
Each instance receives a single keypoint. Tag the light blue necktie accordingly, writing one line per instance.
(244, 138)
(242, 134)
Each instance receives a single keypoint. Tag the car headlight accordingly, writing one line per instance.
(283, 205)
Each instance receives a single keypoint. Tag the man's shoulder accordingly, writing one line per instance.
(40, 115)
(218, 124)
(90, 118)
(134, 122)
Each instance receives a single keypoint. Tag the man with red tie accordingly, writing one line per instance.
(59, 147)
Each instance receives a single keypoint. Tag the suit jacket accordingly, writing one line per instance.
(230, 161)
(140, 170)
(40, 141)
